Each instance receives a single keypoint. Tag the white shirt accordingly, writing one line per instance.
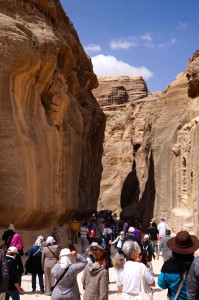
(130, 279)
(162, 226)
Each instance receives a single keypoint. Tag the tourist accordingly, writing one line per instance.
(118, 264)
(148, 251)
(74, 226)
(95, 278)
(4, 275)
(192, 281)
(162, 226)
(118, 241)
(65, 272)
(7, 236)
(17, 242)
(153, 233)
(84, 236)
(92, 252)
(106, 244)
(166, 252)
(131, 237)
(174, 271)
(131, 280)
(50, 256)
(33, 264)
(14, 290)
(56, 236)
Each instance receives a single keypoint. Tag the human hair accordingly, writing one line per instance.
(100, 255)
(130, 247)
(118, 261)
(184, 261)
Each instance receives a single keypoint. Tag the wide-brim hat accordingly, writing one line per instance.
(183, 243)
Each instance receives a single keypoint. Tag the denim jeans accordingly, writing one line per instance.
(14, 294)
(41, 281)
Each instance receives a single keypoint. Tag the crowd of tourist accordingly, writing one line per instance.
(57, 268)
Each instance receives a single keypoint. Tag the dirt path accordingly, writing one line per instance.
(113, 295)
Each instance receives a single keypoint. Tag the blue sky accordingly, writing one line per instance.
(151, 38)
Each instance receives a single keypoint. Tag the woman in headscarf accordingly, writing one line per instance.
(67, 287)
(50, 256)
(174, 271)
(118, 242)
(95, 278)
(17, 242)
(34, 266)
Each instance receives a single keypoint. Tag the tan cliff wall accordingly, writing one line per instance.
(51, 127)
(150, 162)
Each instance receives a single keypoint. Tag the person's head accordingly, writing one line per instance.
(183, 243)
(146, 238)
(94, 247)
(118, 261)
(50, 240)
(100, 257)
(11, 227)
(105, 231)
(122, 234)
(154, 224)
(17, 241)
(131, 249)
(12, 251)
(163, 220)
(168, 232)
(65, 258)
(39, 241)
(84, 223)
(131, 230)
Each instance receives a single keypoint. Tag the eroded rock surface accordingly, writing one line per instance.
(51, 127)
(150, 163)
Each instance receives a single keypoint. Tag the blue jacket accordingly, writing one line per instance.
(170, 278)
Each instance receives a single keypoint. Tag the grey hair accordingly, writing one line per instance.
(130, 247)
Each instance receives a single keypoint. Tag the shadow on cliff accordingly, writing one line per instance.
(133, 208)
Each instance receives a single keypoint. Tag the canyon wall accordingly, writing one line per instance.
(151, 153)
(51, 126)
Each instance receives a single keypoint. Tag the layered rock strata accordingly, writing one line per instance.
(51, 127)
(150, 162)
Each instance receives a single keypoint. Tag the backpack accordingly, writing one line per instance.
(103, 243)
(145, 250)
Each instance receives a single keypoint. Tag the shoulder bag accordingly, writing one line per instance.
(142, 294)
(52, 253)
(58, 280)
(180, 286)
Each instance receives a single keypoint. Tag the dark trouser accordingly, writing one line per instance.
(14, 294)
(41, 281)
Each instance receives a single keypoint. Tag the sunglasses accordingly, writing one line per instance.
(94, 249)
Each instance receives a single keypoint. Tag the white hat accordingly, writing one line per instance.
(146, 237)
(65, 260)
(12, 249)
(50, 240)
(65, 252)
(94, 244)
(131, 229)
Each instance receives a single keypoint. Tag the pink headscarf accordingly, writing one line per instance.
(17, 242)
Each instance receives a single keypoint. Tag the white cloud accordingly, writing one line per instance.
(146, 37)
(167, 44)
(110, 66)
(121, 44)
(92, 48)
(182, 25)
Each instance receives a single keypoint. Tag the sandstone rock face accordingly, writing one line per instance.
(51, 127)
(150, 162)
